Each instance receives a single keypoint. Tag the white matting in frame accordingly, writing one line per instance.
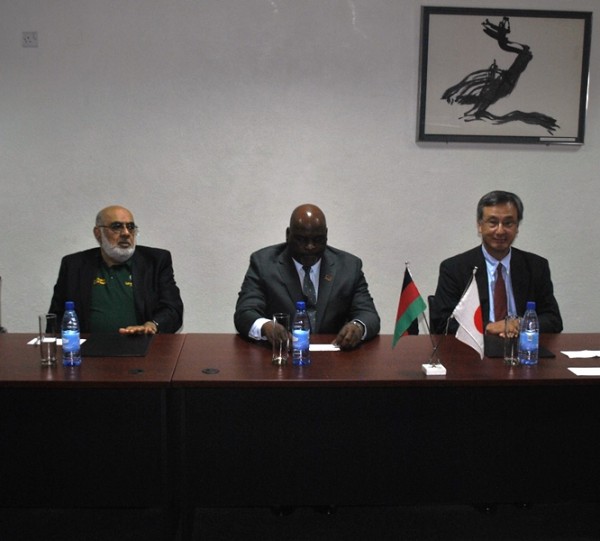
(503, 75)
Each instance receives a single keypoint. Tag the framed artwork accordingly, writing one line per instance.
(503, 75)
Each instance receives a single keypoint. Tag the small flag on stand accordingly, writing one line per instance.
(410, 306)
(470, 320)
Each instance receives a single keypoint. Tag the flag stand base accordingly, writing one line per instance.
(434, 369)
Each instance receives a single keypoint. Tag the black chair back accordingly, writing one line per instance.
(434, 318)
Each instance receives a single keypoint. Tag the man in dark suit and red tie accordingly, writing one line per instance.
(506, 277)
(305, 268)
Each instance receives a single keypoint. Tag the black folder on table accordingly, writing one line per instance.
(116, 345)
(494, 347)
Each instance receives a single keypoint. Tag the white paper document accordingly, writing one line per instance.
(36, 341)
(584, 354)
(586, 371)
(323, 347)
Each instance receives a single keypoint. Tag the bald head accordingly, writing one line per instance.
(308, 216)
(105, 216)
(307, 234)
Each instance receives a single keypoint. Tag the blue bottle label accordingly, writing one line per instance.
(300, 339)
(529, 341)
(70, 341)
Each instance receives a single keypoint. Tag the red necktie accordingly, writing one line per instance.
(500, 310)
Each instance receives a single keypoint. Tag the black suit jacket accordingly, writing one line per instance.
(155, 292)
(530, 275)
(272, 285)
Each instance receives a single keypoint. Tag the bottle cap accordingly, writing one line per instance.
(300, 305)
(69, 305)
(530, 305)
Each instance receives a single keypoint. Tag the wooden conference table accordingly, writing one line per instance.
(209, 419)
(367, 427)
(91, 436)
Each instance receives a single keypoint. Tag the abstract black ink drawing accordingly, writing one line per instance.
(483, 88)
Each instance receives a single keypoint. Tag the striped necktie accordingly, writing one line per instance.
(311, 296)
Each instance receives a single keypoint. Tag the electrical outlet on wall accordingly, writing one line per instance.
(29, 39)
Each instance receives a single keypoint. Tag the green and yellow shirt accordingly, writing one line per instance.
(112, 305)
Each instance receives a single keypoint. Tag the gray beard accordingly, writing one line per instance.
(117, 253)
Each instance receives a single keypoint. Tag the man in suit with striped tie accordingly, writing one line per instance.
(329, 280)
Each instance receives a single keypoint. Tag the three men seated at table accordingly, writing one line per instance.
(122, 287)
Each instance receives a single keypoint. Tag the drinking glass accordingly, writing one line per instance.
(281, 348)
(511, 340)
(47, 338)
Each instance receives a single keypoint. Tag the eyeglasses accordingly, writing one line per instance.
(117, 227)
(494, 224)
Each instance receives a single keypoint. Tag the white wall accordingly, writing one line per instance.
(212, 119)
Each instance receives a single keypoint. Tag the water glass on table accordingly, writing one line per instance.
(511, 340)
(47, 338)
(281, 348)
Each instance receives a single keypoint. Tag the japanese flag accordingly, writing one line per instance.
(470, 320)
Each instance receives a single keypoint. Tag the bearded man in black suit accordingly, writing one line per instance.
(119, 286)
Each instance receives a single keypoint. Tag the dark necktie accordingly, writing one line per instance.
(311, 296)
(500, 306)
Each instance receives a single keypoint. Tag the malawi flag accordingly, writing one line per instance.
(410, 306)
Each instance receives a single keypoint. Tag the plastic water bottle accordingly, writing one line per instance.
(70, 336)
(529, 336)
(301, 336)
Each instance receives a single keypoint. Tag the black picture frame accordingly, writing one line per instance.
(503, 75)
